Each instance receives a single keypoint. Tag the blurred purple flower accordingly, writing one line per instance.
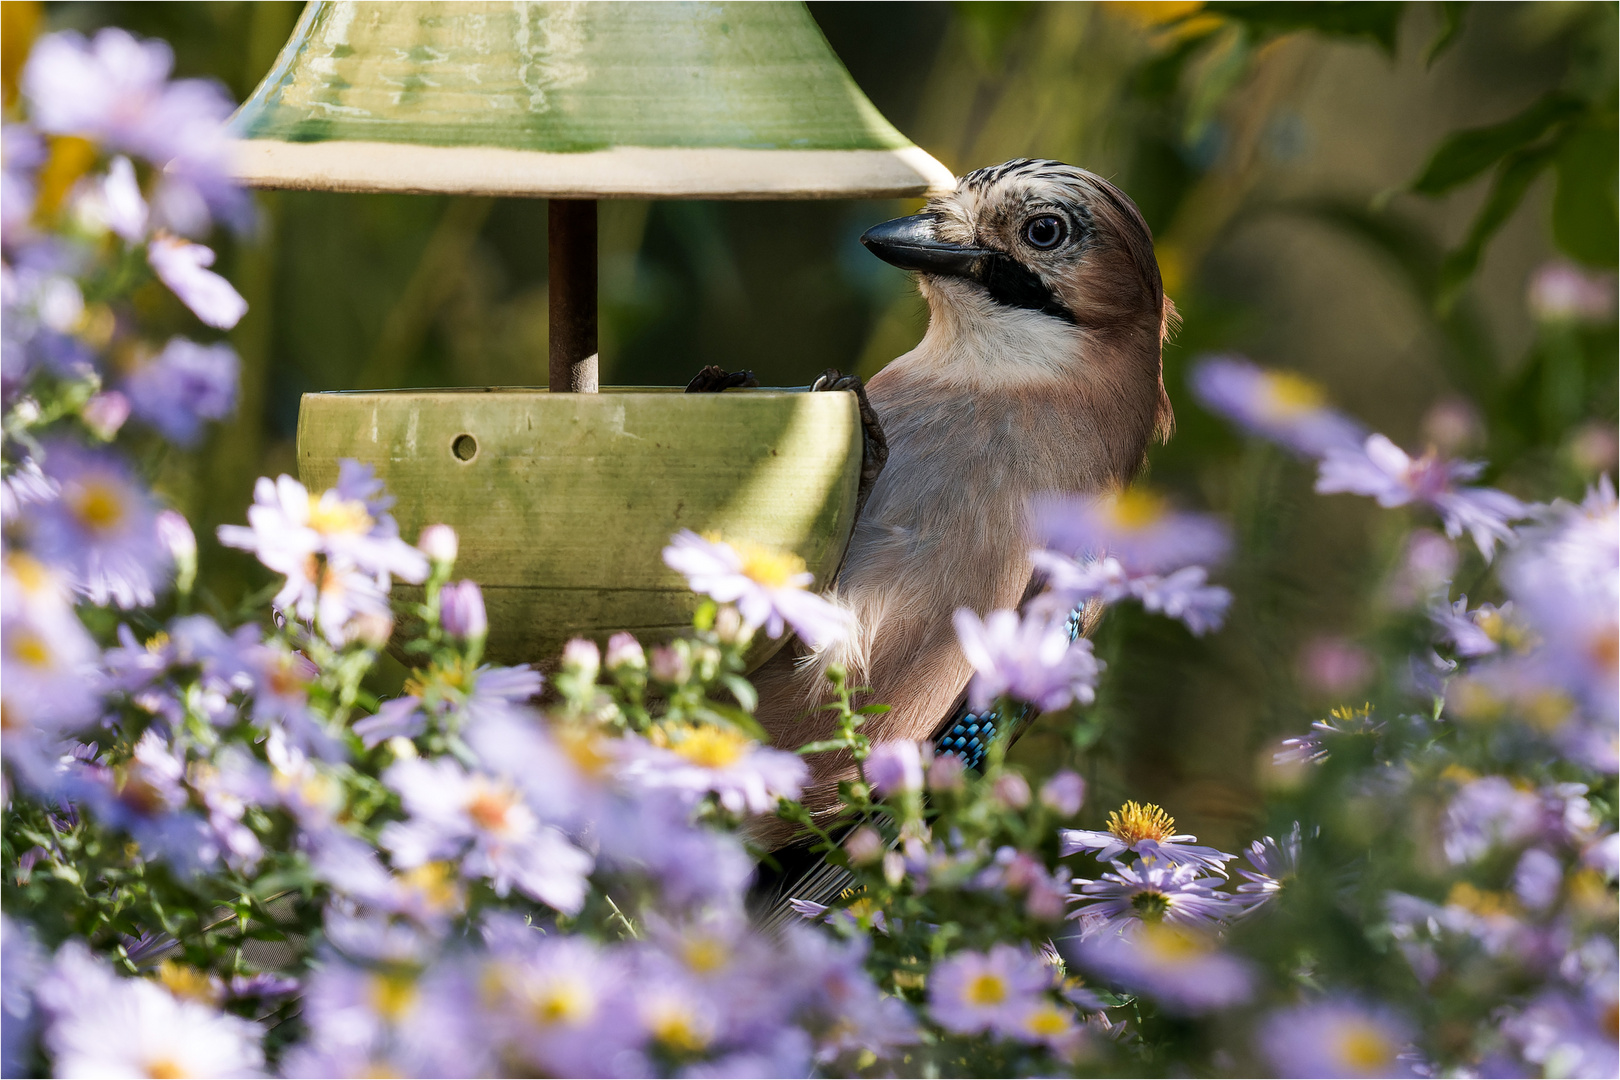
(101, 530)
(484, 821)
(183, 386)
(182, 266)
(561, 1006)
(695, 760)
(840, 1002)
(1150, 891)
(1029, 659)
(1563, 292)
(112, 202)
(49, 681)
(22, 962)
(1538, 879)
(1335, 666)
(1148, 831)
(102, 1025)
(1272, 864)
(1181, 969)
(397, 717)
(22, 152)
(768, 587)
(1278, 405)
(1063, 793)
(462, 610)
(104, 414)
(972, 992)
(1335, 1038)
(1426, 568)
(1382, 470)
(1341, 723)
(1568, 1034)
(895, 767)
(1136, 527)
(1487, 813)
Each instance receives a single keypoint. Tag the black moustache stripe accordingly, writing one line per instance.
(1012, 284)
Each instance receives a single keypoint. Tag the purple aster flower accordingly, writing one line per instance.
(1278, 405)
(1336, 1038)
(22, 962)
(560, 1006)
(895, 767)
(840, 1003)
(1479, 632)
(48, 668)
(101, 1025)
(1150, 891)
(694, 760)
(1538, 879)
(400, 717)
(1148, 831)
(1315, 748)
(485, 822)
(183, 267)
(1135, 527)
(24, 484)
(1063, 793)
(1178, 967)
(1567, 1034)
(22, 152)
(1560, 291)
(768, 587)
(1382, 470)
(101, 530)
(972, 992)
(1272, 864)
(183, 386)
(461, 610)
(1030, 659)
(1487, 813)
(113, 203)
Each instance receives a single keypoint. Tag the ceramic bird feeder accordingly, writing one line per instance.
(564, 496)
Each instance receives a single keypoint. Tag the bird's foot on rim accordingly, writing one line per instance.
(713, 379)
(874, 445)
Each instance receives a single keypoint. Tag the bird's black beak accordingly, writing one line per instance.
(911, 244)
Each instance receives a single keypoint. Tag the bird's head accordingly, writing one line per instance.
(1047, 259)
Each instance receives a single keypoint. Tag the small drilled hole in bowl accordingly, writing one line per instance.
(465, 447)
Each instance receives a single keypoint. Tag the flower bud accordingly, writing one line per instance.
(669, 665)
(175, 532)
(894, 767)
(894, 869)
(369, 628)
(945, 773)
(730, 628)
(582, 659)
(1064, 793)
(864, 846)
(624, 653)
(461, 609)
(1013, 790)
(438, 543)
(105, 413)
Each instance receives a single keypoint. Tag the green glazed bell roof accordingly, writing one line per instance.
(582, 100)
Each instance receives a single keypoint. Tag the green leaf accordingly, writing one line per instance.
(1585, 224)
(1513, 179)
(1463, 155)
(743, 691)
(1451, 24)
(821, 747)
(1375, 21)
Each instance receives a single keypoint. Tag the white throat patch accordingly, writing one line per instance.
(974, 341)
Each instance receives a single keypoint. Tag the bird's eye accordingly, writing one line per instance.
(1045, 232)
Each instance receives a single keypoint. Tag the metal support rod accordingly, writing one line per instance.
(572, 232)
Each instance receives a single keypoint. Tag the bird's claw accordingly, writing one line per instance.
(874, 445)
(713, 379)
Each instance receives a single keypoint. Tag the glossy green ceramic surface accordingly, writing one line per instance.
(564, 502)
(564, 77)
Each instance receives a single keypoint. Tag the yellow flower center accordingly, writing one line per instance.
(1604, 649)
(586, 748)
(157, 642)
(436, 883)
(330, 515)
(563, 1002)
(29, 572)
(1365, 1049)
(1135, 822)
(1480, 901)
(1170, 945)
(1288, 394)
(285, 679)
(490, 806)
(99, 506)
(986, 988)
(166, 1068)
(676, 1027)
(185, 981)
(1046, 1021)
(770, 567)
(31, 649)
(711, 747)
(1135, 510)
(392, 994)
(705, 954)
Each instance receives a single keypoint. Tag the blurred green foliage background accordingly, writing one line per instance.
(1315, 208)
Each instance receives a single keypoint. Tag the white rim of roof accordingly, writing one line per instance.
(622, 172)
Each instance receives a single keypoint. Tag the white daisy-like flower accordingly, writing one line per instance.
(768, 587)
